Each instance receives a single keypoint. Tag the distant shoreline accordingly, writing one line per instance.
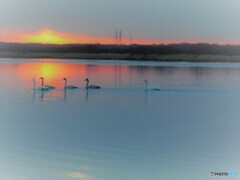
(127, 56)
(201, 52)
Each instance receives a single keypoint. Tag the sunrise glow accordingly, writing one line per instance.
(50, 36)
(46, 38)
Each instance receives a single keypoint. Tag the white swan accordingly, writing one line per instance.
(91, 86)
(69, 86)
(150, 87)
(42, 88)
(48, 86)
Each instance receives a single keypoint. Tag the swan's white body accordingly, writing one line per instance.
(91, 86)
(150, 88)
(42, 88)
(69, 86)
(47, 86)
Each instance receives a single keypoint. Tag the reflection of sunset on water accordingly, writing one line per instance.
(52, 73)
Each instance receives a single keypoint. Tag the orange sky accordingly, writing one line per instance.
(49, 36)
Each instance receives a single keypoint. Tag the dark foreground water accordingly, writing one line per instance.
(185, 131)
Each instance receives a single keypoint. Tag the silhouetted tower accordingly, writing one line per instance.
(120, 36)
(116, 37)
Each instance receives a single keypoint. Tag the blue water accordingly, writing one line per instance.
(185, 131)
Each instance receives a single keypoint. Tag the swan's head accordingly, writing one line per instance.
(41, 78)
(65, 79)
(86, 79)
(146, 81)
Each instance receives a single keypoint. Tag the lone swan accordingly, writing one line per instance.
(91, 86)
(47, 86)
(151, 88)
(69, 86)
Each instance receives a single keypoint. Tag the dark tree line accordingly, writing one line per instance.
(191, 49)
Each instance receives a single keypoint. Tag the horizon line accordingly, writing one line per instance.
(113, 44)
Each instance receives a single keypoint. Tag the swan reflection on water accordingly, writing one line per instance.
(40, 94)
(86, 97)
(65, 94)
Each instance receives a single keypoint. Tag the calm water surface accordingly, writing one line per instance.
(188, 129)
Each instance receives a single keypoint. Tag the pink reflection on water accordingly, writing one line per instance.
(53, 73)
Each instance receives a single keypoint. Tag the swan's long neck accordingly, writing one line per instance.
(42, 81)
(87, 83)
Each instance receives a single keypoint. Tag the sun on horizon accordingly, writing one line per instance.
(46, 37)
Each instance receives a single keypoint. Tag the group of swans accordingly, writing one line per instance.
(75, 87)
(50, 87)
